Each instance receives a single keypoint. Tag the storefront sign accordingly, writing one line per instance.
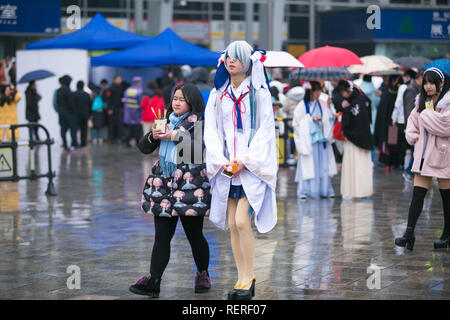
(30, 16)
(394, 25)
(414, 24)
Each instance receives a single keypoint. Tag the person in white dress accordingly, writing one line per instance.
(357, 166)
(313, 132)
(240, 140)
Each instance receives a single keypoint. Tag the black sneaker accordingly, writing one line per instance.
(202, 282)
(146, 286)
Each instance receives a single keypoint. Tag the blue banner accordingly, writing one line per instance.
(30, 16)
(414, 25)
(345, 26)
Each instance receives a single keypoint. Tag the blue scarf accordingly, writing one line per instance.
(316, 129)
(168, 149)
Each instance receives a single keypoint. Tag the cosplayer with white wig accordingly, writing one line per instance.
(241, 156)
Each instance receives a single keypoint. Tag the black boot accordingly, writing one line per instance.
(415, 209)
(444, 241)
(146, 286)
(407, 240)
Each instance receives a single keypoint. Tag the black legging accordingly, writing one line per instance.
(164, 231)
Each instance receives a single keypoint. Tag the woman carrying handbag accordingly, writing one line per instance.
(177, 187)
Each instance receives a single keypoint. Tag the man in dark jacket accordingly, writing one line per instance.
(409, 103)
(83, 111)
(114, 96)
(67, 115)
(409, 96)
(32, 107)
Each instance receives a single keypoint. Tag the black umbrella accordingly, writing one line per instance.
(413, 61)
(36, 75)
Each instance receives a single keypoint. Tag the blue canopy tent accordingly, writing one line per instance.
(165, 49)
(98, 34)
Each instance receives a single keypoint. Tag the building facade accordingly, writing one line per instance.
(292, 25)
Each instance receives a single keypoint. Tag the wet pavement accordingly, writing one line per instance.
(320, 249)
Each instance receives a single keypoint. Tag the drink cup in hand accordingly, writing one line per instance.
(160, 124)
(429, 105)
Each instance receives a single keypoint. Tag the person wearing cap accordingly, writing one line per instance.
(428, 130)
(241, 156)
(132, 111)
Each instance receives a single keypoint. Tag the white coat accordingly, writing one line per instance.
(302, 139)
(259, 158)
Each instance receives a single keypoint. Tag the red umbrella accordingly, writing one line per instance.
(329, 57)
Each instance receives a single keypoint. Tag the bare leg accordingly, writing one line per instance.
(444, 183)
(235, 239)
(247, 240)
(421, 181)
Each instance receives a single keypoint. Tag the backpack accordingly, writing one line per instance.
(97, 104)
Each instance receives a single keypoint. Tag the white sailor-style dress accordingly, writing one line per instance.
(260, 158)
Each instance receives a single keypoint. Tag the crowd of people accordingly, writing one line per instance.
(335, 124)
(125, 111)
(331, 121)
(346, 124)
(406, 112)
(8, 71)
(9, 97)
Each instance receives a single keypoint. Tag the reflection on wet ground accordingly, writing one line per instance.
(320, 249)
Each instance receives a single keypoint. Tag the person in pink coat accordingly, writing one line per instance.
(428, 130)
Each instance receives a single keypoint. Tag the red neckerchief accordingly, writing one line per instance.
(236, 117)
